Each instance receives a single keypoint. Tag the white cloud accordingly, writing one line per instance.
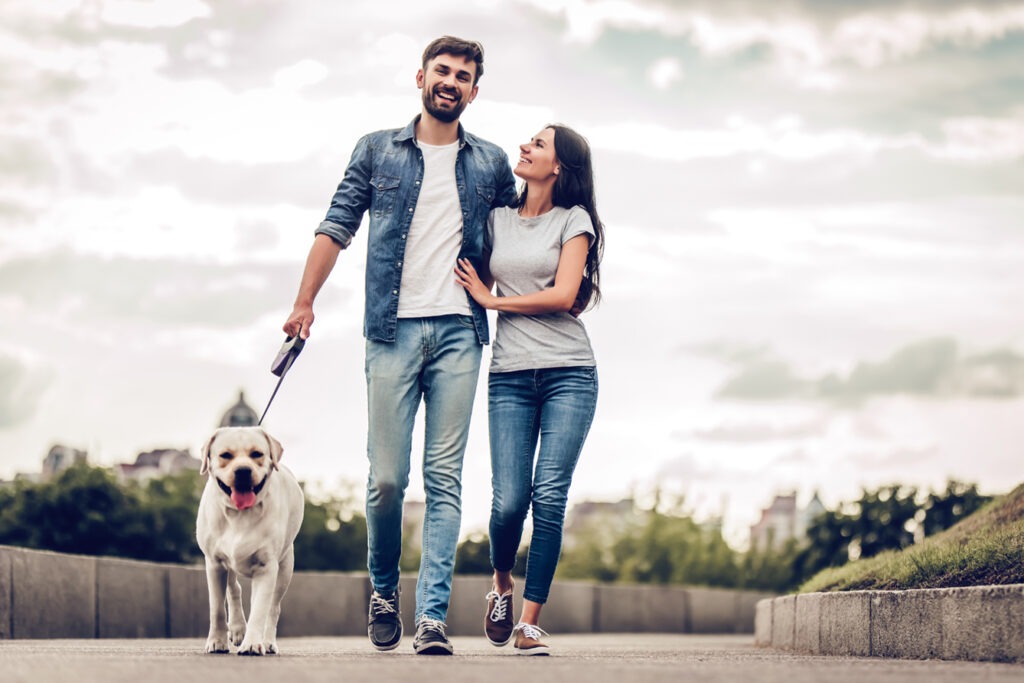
(586, 20)
(976, 140)
(152, 13)
(300, 75)
(784, 138)
(159, 222)
(981, 140)
(874, 39)
(665, 72)
(805, 47)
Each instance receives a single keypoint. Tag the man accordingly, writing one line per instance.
(429, 188)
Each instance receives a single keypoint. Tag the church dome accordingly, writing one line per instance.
(240, 414)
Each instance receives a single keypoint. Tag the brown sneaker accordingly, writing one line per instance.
(498, 620)
(528, 640)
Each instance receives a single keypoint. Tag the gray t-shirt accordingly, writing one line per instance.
(524, 259)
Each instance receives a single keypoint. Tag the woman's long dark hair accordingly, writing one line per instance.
(574, 186)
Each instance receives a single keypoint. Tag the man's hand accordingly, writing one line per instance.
(299, 321)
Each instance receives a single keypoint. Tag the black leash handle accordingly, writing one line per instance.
(283, 361)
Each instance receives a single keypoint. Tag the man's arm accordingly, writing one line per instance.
(348, 205)
(319, 264)
(505, 194)
(352, 198)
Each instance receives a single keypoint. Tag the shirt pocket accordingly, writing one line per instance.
(385, 194)
(486, 195)
(477, 217)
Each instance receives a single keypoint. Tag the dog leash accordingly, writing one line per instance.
(282, 363)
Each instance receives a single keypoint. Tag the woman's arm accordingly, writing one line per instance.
(558, 298)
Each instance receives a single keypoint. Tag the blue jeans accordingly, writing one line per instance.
(437, 360)
(554, 406)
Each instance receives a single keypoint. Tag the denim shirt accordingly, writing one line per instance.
(384, 176)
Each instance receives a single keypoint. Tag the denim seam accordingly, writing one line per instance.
(424, 565)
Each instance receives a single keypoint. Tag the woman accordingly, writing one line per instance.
(544, 257)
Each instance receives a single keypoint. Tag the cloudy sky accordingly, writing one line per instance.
(815, 251)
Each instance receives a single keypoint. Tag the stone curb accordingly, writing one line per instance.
(982, 623)
(53, 595)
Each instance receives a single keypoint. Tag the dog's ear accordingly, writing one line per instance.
(204, 466)
(276, 450)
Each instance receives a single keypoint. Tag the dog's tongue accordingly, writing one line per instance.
(243, 500)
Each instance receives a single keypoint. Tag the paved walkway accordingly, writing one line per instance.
(578, 659)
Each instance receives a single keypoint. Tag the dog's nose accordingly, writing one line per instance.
(243, 479)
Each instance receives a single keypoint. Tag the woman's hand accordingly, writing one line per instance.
(465, 275)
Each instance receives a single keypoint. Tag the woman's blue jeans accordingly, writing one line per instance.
(555, 407)
(436, 360)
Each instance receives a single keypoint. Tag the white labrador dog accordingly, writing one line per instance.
(249, 515)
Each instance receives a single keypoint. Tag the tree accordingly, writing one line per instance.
(473, 556)
(332, 536)
(83, 510)
(884, 520)
(660, 545)
(172, 502)
(828, 543)
(943, 510)
(771, 569)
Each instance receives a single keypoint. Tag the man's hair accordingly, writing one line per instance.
(450, 45)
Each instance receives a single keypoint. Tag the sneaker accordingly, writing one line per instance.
(430, 638)
(528, 640)
(498, 625)
(385, 621)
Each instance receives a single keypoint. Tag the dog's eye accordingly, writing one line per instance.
(256, 455)
(226, 455)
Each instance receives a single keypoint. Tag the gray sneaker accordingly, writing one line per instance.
(384, 624)
(430, 638)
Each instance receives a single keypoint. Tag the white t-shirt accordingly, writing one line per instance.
(524, 260)
(434, 241)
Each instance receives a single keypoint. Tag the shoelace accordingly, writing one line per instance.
(530, 631)
(500, 606)
(428, 624)
(381, 605)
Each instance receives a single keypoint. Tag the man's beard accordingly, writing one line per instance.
(442, 115)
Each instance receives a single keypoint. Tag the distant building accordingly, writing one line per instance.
(240, 415)
(164, 461)
(158, 463)
(602, 517)
(59, 459)
(783, 520)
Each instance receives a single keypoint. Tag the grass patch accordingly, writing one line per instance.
(986, 548)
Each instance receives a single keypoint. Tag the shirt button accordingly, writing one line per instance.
(399, 263)
(417, 182)
(410, 209)
(394, 291)
(403, 236)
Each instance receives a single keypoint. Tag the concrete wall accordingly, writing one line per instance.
(978, 623)
(51, 595)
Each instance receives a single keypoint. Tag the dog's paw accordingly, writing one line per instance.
(217, 645)
(248, 648)
(237, 633)
(271, 648)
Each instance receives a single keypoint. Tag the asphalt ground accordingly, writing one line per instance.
(591, 658)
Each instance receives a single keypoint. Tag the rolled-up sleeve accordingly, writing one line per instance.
(506, 185)
(352, 198)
